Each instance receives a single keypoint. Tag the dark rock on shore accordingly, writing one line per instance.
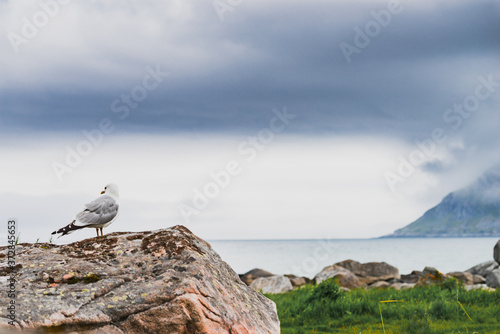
(345, 278)
(496, 252)
(351, 274)
(430, 276)
(488, 272)
(165, 281)
(298, 281)
(483, 269)
(253, 274)
(465, 278)
(493, 279)
(478, 279)
(411, 278)
(371, 272)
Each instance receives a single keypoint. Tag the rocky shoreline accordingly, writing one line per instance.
(351, 274)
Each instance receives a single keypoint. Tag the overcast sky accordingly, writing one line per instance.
(341, 119)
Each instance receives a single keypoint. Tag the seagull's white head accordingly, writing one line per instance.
(111, 189)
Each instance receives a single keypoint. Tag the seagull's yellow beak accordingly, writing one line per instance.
(102, 192)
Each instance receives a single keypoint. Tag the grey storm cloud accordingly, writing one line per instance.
(156, 95)
(227, 75)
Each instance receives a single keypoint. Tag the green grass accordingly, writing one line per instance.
(443, 308)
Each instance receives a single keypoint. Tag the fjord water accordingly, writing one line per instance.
(308, 257)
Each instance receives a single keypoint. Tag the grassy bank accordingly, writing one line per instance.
(443, 308)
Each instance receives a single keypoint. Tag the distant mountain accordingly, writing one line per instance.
(473, 211)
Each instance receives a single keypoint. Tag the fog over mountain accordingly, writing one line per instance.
(469, 212)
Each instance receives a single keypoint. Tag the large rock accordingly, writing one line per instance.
(253, 274)
(496, 252)
(493, 279)
(345, 278)
(483, 269)
(372, 271)
(298, 281)
(165, 281)
(411, 278)
(273, 284)
(430, 276)
(478, 279)
(465, 278)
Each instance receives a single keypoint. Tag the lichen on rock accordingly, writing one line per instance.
(164, 281)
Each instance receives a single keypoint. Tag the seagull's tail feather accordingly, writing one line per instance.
(67, 229)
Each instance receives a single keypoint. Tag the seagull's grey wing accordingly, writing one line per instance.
(95, 204)
(98, 212)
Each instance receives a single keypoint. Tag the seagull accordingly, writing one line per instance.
(98, 214)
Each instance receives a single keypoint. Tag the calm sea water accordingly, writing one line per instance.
(308, 257)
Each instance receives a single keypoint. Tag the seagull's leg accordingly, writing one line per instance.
(97, 230)
(101, 232)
